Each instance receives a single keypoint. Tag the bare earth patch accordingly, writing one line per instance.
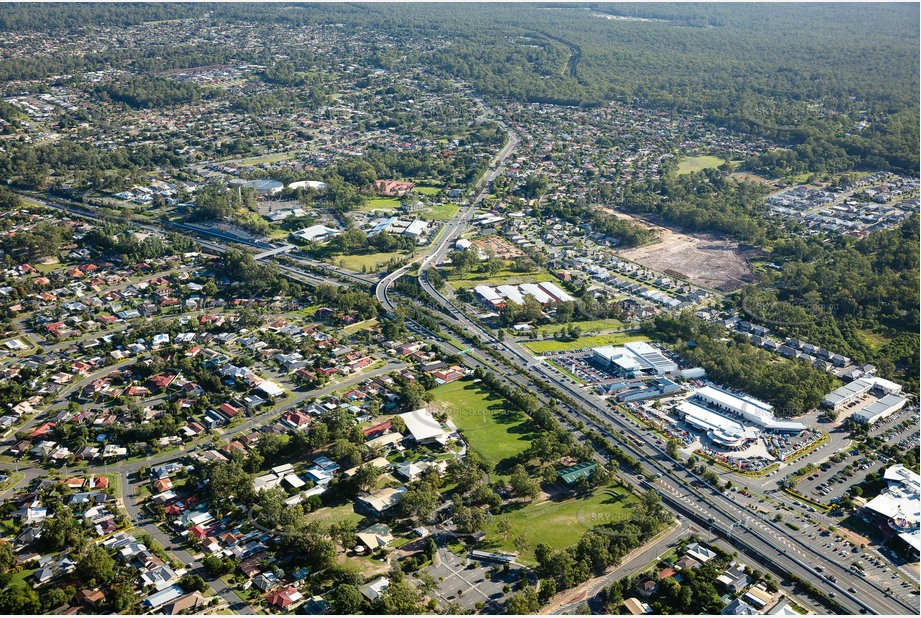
(701, 259)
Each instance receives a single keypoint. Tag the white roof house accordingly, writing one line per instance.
(271, 389)
(266, 481)
(700, 553)
(158, 599)
(373, 590)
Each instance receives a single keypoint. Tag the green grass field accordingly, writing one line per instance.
(389, 203)
(372, 262)
(560, 523)
(503, 277)
(873, 339)
(428, 190)
(551, 345)
(489, 424)
(274, 157)
(440, 213)
(334, 514)
(22, 579)
(587, 326)
(694, 164)
(354, 328)
(47, 268)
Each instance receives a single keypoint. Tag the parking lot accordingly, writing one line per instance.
(901, 429)
(889, 423)
(579, 364)
(833, 480)
(468, 582)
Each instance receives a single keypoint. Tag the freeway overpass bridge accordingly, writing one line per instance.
(285, 248)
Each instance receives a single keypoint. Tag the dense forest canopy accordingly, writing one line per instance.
(792, 72)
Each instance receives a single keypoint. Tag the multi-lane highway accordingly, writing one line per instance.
(765, 542)
(769, 542)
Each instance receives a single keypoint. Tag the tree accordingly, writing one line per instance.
(121, 597)
(365, 477)
(7, 557)
(399, 598)
(56, 597)
(193, 581)
(347, 600)
(20, 600)
(524, 602)
(61, 531)
(672, 448)
(96, 565)
(522, 484)
(347, 453)
(216, 566)
(419, 501)
(312, 548)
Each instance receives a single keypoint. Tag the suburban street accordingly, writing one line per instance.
(763, 541)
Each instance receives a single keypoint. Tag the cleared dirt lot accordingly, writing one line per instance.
(703, 260)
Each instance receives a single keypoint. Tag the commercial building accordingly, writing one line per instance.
(719, 429)
(573, 473)
(556, 292)
(879, 409)
(311, 184)
(546, 293)
(535, 290)
(897, 510)
(633, 358)
(423, 427)
(849, 393)
(262, 187)
(753, 410)
(381, 500)
(655, 388)
(315, 233)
